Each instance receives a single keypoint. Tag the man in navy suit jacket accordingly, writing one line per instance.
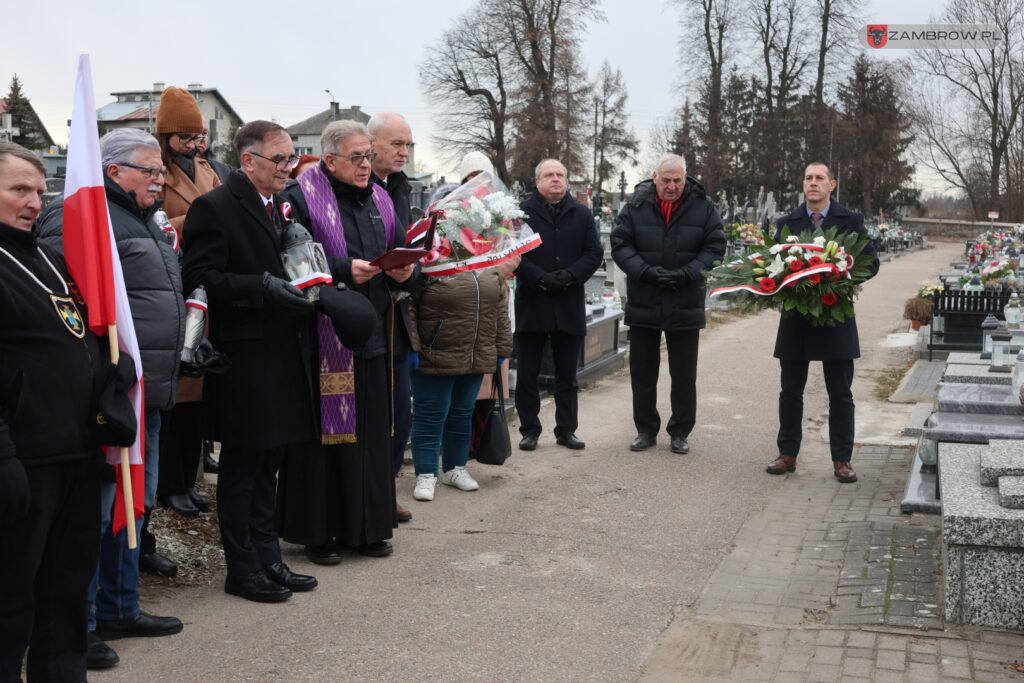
(798, 342)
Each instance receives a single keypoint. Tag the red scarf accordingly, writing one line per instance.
(667, 208)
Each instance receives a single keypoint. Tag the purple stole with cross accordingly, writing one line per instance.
(337, 380)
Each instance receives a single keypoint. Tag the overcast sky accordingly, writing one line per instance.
(274, 60)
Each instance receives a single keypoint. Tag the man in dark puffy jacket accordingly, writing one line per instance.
(133, 174)
(665, 237)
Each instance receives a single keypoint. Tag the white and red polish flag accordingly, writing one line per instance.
(91, 255)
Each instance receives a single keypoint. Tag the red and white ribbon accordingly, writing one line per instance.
(488, 260)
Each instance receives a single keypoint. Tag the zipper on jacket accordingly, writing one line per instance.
(476, 333)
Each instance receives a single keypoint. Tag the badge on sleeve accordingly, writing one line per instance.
(69, 314)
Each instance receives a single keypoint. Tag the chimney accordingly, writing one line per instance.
(334, 111)
(195, 86)
(158, 86)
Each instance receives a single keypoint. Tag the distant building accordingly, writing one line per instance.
(306, 134)
(137, 109)
(47, 140)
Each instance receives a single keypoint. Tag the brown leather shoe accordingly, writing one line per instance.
(781, 465)
(844, 473)
(402, 514)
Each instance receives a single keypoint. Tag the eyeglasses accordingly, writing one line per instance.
(186, 139)
(282, 163)
(357, 159)
(153, 172)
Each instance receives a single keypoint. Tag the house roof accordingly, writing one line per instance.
(315, 124)
(47, 140)
(116, 111)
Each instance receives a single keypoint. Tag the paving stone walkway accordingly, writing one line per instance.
(831, 582)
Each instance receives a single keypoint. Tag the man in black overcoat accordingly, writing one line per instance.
(550, 302)
(232, 242)
(798, 342)
(391, 139)
(666, 236)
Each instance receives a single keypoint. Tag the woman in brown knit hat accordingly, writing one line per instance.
(179, 128)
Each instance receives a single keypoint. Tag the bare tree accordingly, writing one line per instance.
(988, 86)
(543, 37)
(710, 22)
(612, 139)
(778, 26)
(467, 77)
(836, 21)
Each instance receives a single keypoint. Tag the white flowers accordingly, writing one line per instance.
(819, 240)
(792, 238)
(776, 248)
(776, 267)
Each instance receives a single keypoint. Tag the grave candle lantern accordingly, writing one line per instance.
(988, 326)
(1001, 358)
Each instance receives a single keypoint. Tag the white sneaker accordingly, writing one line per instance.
(425, 484)
(460, 479)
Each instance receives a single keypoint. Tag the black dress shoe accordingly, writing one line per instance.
(326, 554)
(378, 549)
(182, 504)
(528, 443)
(99, 655)
(680, 445)
(570, 441)
(198, 501)
(210, 466)
(256, 587)
(142, 626)
(155, 563)
(642, 442)
(280, 574)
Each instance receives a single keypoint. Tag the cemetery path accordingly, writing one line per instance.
(565, 565)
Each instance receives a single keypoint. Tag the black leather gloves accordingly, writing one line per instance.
(113, 419)
(667, 278)
(206, 361)
(285, 296)
(556, 281)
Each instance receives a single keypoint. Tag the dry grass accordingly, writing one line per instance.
(889, 380)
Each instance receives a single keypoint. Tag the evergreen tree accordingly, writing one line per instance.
(31, 133)
(612, 139)
(873, 137)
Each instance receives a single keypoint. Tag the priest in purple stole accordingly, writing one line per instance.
(340, 491)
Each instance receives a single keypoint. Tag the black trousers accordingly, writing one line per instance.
(565, 352)
(246, 492)
(838, 380)
(49, 558)
(644, 367)
(181, 448)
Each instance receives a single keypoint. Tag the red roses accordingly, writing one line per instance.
(829, 299)
(767, 284)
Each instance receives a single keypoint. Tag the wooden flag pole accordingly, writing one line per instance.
(126, 472)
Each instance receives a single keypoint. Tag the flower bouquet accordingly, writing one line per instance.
(816, 274)
(478, 225)
(747, 233)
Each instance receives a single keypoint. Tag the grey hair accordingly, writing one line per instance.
(18, 152)
(670, 160)
(337, 132)
(380, 120)
(536, 171)
(120, 146)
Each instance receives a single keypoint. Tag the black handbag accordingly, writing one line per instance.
(494, 446)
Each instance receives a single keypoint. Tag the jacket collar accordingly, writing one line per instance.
(247, 195)
(540, 205)
(117, 196)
